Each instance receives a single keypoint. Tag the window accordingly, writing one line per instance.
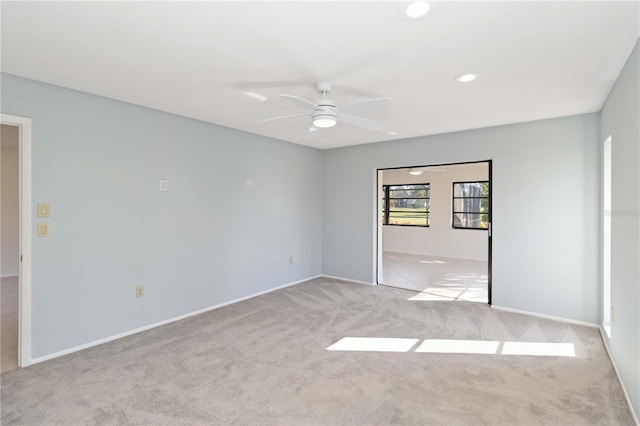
(470, 205)
(406, 205)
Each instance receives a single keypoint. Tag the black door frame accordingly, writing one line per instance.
(490, 230)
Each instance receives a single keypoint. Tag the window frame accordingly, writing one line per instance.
(386, 209)
(453, 205)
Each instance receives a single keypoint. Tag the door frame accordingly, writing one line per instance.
(378, 226)
(25, 231)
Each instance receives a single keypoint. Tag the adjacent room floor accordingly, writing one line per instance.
(437, 278)
(9, 323)
(330, 352)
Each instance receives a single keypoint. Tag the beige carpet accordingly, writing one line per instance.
(393, 359)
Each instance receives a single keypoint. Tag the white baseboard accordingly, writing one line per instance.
(549, 317)
(605, 340)
(158, 324)
(347, 279)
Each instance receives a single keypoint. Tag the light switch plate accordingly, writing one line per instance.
(43, 230)
(43, 209)
(164, 185)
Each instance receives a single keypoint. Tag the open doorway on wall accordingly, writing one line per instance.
(434, 230)
(16, 241)
(10, 233)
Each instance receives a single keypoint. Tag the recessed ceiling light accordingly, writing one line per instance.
(256, 96)
(415, 171)
(417, 9)
(466, 78)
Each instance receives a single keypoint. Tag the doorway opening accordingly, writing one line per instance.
(9, 265)
(434, 230)
(15, 324)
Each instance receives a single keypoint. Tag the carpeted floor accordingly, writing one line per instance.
(266, 361)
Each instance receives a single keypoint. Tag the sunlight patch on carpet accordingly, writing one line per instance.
(450, 346)
(453, 346)
(373, 344)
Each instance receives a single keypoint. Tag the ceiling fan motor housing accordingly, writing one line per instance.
(325, 112)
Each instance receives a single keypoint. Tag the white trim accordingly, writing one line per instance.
(158, 324)
(346, 279)
(377, 254)
(615, 368)
(605, 231)
(549, 317)
(24, 267)
(8, 276)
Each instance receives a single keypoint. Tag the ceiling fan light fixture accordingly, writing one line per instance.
(324, 121)
(415, 172)
(467, 77)
(417, 9)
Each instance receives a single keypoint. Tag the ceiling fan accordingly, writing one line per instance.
(325, 113)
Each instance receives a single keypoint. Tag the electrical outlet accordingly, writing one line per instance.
(613, 314)
(140, 291)
(290, 260)
(164, 185)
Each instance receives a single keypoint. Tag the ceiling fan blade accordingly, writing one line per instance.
(379, 104)
(300, 100)
(283, 117)
(269, 84)
(365, 123)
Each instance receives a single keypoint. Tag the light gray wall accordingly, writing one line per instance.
(621, 119)
(237, 207)
(9, 225)
(440, 238)
(545, 208)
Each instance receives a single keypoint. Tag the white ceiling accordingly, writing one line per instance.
(536, 60)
